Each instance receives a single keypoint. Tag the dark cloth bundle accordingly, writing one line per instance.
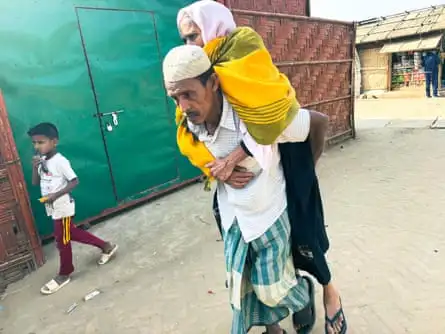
(305, 209)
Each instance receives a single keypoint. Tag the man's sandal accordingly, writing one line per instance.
(330, 322)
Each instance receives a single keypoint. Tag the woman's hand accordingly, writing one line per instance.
(221, 169)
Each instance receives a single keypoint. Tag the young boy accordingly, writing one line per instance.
(57, 180)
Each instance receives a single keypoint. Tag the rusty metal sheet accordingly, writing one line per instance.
(20, 247)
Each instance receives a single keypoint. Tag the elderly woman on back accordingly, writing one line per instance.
(199, 24)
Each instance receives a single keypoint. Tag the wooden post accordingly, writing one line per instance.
(20, 193)
(389, 72)
(353, 88)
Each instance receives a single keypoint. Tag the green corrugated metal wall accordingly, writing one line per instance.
(65, 64)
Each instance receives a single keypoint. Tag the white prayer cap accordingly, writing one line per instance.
(185, 62)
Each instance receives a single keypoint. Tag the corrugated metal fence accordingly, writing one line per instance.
(294, 7)
(20, 250)
(316, 54)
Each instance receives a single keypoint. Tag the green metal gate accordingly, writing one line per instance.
(94, 69)
(125, 70)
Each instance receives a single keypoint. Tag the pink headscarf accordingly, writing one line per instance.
(214, 19)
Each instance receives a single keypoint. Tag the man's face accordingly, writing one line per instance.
(190, 32)
(196, 100)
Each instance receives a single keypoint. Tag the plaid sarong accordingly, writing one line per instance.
(261, 277)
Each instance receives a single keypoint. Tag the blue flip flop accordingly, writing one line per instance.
(330, 322)
(304, 320)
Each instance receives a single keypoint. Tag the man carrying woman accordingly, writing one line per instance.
(267, 196)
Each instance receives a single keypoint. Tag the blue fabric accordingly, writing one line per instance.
(432, 78)
(431, 62)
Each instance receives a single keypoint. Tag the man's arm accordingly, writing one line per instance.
(298, 130)
(317, 133)
(65, 168)
(306, 124)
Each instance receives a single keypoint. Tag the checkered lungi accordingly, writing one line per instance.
(261, 277)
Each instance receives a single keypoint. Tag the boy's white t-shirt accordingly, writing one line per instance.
(57, 178)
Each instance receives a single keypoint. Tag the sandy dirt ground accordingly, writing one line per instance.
(390, 106)
(383, 192)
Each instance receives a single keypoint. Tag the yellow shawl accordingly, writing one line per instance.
(261, 96)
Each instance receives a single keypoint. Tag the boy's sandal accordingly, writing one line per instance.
(106, 257)
(52, 286)
(331, 322)
(304, 320)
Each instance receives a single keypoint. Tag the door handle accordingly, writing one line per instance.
(102, 114)
(109, 126)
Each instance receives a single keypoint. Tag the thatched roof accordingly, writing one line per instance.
(409, 23)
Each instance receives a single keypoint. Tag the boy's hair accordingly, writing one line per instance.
(48, 130)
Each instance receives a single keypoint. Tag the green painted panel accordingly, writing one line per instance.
(126, 71)
(44, 77)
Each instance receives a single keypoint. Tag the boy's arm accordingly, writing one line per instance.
(35, 171)
(69, 174)
(68, 189)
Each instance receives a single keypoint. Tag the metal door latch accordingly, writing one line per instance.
(115, 119)
(102, 114)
